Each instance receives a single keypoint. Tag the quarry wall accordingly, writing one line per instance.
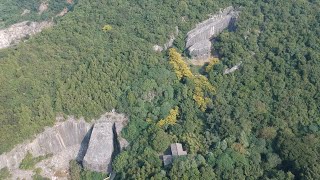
(89, 143)
(198, 41)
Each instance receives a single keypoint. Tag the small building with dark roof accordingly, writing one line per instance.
(176, 150)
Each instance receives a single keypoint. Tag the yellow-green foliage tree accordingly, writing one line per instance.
(180, 67)
(171, 119)
(199, 98)
(201, 85)
(212, 62)
(107, 28)
(201, 82)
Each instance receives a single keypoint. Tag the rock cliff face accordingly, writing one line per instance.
(101, 149)
(92, 144)
(198, 40)
(16, 32)
(63, 141)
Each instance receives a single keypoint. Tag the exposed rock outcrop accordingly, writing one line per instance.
(25, 12)
(94, 144)
(43, 7)
(63, 141)
(198, 41)
(101, 147)
(234, 68)
(63, 12)
(168, 44)
(16, 32)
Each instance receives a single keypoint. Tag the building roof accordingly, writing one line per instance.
(167, 159)
(176, 149)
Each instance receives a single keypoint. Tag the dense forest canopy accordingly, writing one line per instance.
(262, 122)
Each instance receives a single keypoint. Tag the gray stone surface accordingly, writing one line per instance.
(198, 40)
(63, 141)
(68, 140)
(101, 146)
(234, 68)
(18, 31)
(43, 7)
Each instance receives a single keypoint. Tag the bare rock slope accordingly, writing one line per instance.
(63, 141)
(16, 32)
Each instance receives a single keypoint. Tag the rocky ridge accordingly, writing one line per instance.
(63, 141)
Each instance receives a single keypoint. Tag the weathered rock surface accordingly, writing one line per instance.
(43, 7)
(16, 32)
(93, 145)
(63, 141)
(105, 135)
(63, 12)
(198, 40)
(234, 68)
(25, 12)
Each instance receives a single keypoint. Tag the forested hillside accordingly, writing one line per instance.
(261, 122)
(13, 11)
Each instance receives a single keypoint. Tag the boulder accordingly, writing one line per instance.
(169, 43)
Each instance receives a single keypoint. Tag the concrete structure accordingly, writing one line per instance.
(198, 40)
(176, 150)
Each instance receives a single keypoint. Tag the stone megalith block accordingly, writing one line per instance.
(99, 154)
